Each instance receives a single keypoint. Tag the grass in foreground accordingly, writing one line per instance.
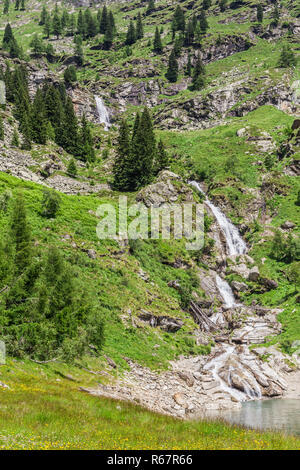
(43, 410)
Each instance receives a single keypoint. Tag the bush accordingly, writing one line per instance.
(50, 203)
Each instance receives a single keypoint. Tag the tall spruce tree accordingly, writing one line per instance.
(259, 13)
(123, 163)
(139, 27)
(21, 234)
(198, 80)
(203, 22)
(172, 72)
(104, 20)
(131, 34)
(157, 44)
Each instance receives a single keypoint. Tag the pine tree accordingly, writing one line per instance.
(87, 151)
(79, 54)
(131, 34)
(68, 136)
(39, 124)
(162, 159)
(139, 27)
(47, 26)
(157, 44)
(15, 139)
(72, 168)
(6, 7)
(122, 164)
(70, 75)
(8, 36)
(22, 5)
(259, 13)
(189, 34)
(287, 57)
(179, 19)
(104, 20)
(21, 234)
(198, 80)
(109, 34)
(81, 27)
(56, 25)
(37, 45)
(143, 150)
(203, 22)
(64, 19)
(44, 14)
(172, 72)
(275, 16)
(17, 4)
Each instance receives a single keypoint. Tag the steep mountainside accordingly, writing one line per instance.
(172, 329)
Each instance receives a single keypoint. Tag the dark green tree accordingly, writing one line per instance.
(259, 13)
(203, 22)
(104, 20)
(198, 80)
(56, 25)
(131, 35)
(21, 234)
(172, 72)
(70, 75)
(157, 44)
(72, 168)
(122, 169)
(287, 57)
(139, 27)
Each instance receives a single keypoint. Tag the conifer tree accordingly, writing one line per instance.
(157, 44)
(47, 26)
(8, 36)
(21, 234)
(172, 72)
(39, 124)
(162, 159)
(122, 164)
(287, 57)
(143, 149)
(189, 34)
(198, 75)
(81, 28)
(206, 4)
(22, 5)
(70, 75)
(131, 34)
(259, 13)
(179, 19)
(56, 25)
(87, 151)
(68, 133)
(104, 20)
(17, 4)
(44, 14)
(139, 27)
(109, 34)
(203, 22)
(37, 45)
(72, 168)
(275, 16)
(6, 7)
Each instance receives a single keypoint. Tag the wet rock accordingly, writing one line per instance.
(253, 274)
(239, 286)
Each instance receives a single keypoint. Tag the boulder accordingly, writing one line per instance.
(288, 225)
(239, 286)
(253, 274)
(186, 377)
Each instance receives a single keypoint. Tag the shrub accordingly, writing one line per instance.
(50, 203)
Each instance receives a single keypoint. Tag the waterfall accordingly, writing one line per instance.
(226, 292)
(235, 243)
(102, 113)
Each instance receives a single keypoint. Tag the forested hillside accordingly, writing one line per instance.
(139, 99)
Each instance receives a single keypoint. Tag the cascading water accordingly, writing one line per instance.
(235, 246)
(235, 243)
(102, 113)
(226, 292)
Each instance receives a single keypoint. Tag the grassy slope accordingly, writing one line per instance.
(43, 410)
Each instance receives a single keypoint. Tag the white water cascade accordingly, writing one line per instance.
(235, 243)
(102, 113)
(226, 292)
